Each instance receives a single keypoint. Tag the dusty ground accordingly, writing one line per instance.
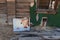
(5, 32)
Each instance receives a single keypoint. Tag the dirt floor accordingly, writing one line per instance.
(6, 32)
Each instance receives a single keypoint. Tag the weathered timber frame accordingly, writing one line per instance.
(46, 10)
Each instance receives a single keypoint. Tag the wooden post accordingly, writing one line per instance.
(56, 3)
(10, 11)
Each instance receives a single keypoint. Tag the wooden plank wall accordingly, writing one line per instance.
(43, 3)
(22, 8)
(3, 12)
(10, 9)
(2, 1)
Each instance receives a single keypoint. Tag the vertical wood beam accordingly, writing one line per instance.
(10, 11)
(56, 3)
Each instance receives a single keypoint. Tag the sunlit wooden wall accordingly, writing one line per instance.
(10, 9)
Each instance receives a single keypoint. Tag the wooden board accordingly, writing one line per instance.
(2, 8)
(23, 10)
(3, 19)
(10, 11)
(10, 19)
(22, 15)
(11, 8)
(10, 0)
(25, 0)
(2, 1)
